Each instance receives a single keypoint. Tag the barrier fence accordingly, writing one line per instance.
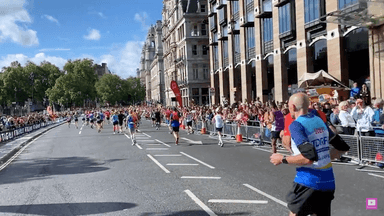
(17, 132)
(362, 148)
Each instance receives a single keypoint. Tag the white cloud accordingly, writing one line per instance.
(52, 19)
(101, 15)
(124, 61)
(53, 49)
(94, 34)
(37, 59)
(12, 13)
(141, 18)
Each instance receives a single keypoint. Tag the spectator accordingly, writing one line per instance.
(365, 94)
(346, 119)
(334, 118)
(378, 118)
(363, 115)
(328, 111)
(355, 91)
(322, 115)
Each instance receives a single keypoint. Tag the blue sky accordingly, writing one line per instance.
(110, 31)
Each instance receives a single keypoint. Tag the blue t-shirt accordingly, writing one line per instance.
(91, 116)
(354, 92)
(312, 129)
(379, 119)
(131, 124)
(115, 118)
(101, 116)
(174, 123)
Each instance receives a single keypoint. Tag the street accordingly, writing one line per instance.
(70, 171)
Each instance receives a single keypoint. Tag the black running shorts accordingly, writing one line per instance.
(175, 129)
(304, 201)
(189, 123)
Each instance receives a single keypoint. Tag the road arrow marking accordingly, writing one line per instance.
(192, 141)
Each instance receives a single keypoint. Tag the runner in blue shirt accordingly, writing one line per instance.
(314, 184)
(131, 126)
(115, 120)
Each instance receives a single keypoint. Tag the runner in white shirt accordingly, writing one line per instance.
(219, 123)
(188, 119)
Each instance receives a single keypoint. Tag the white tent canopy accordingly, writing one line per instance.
(318, 79)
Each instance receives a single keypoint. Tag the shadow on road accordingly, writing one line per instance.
(67, 208)
(28, 170)
(191, 213)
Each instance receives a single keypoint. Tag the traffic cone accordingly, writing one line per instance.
(239, 136)
(203, 129)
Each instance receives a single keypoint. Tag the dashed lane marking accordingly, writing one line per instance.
(156, 149)
(238, 201)
(162, 143)
(200, 177)
(192, 141)
(158, 164)
(267, 195)
(380, 176)
(180, 164)
(201, 204)
(146, 135)
(168, 155)
(137, 145)
(205, 164)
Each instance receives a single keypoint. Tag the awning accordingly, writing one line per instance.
(318, 79)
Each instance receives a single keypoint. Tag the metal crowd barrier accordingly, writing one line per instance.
(14, 133)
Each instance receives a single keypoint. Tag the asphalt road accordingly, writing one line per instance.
(69, 171)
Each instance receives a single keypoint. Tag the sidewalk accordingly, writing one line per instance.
(12, 147)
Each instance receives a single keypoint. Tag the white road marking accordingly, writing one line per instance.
(158, 164)
(269, 151)
(158, 149)
(198, 160)
(238, 201)
(146, 135)
(153, 144)
(267, 195)
(380, 176)
(201, 204)
(137, 145)
(19, 152)
(192, 141)
(200, 177)
(169, 155)
(180, 164)
(374, 171)
(79, 132)
(162, 143)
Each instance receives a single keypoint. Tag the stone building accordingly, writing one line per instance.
(186, 50)
(151, 70)
(260, 48)
(102, 69)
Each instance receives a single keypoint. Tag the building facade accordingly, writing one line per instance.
(260, 48)
(186, 50)
(102, 69)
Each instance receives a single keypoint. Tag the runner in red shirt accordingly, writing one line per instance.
(108, 115)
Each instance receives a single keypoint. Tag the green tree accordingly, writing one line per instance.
(15, 83)
(110, 88)
(133, 90)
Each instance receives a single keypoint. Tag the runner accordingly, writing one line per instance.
(158, 118)
(83, 119)
(108, 115)
(76, 116)
(168, 119)
(101, 119)
(277, 119)
(115, 120)
(131, 126)
(88, 118)
(121, 118)
(91, 118)
(153, 117)
(188, 119)
(98, 123)
(175, 125)
(69, 119)
(219, 123)
(314, 184)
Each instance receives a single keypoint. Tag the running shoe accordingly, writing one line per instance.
(114, 132)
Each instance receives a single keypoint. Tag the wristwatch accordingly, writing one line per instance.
(284, 160)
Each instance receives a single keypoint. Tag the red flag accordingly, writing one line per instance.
(176, 90)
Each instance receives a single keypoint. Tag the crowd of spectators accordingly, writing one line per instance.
(9, 122)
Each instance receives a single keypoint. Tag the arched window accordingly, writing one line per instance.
(319, 55)
(153, 44)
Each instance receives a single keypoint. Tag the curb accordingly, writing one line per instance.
(10, 154)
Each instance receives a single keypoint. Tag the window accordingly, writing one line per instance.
(221, 14)
(224, 31)
(215, 53)
(346, 3)
(205, 71)
(250, 37)
(205, 50)
(203, 29)
(236, 43)
(225, 49)
(204, 91)
(194, 49)
(312, 10)
(202, 8)
(249, 6)
(268, 29)
(195, 32)
(195, 71)
(195, 91)
(267, 6)
(285, 18)
(235, 7)
(320, 59)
